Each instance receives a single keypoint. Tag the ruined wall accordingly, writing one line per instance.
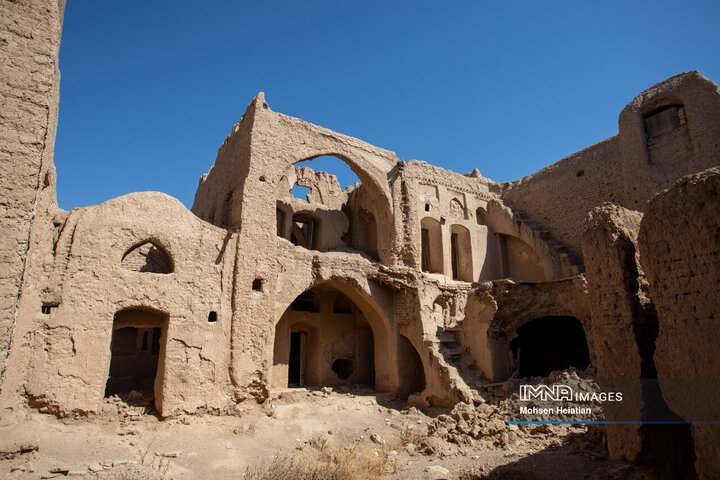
(250, 164)
(629, 168)
(29, 42)
(653, 162)
(450, 200)
(624, 329)
(679, 248)
(77, 282)
(558, 197)
(620, 315)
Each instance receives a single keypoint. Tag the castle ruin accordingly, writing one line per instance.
(419, 280)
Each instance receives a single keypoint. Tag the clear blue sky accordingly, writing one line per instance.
(150, 89)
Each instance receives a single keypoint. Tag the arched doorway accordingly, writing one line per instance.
(137, 351)
(549, 343)
(461, 253)
(324, 339)
(431, 245)
(410, 366)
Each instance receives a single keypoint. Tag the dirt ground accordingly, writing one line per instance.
(126, 442)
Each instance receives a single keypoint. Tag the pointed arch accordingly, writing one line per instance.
(148, 256)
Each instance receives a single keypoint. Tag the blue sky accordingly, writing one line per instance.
(150, 89)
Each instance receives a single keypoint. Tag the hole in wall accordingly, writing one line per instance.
(427, 207)
(300, 192)
(343, 368)
(47, 309)
(258, 284)
(212, 317)
(580, 173)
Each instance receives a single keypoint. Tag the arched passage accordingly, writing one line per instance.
(549, 343)
(137, 351)
(341, 340)
(410, 367)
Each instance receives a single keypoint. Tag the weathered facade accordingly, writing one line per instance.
(418, 280)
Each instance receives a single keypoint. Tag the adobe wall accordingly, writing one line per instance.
(620, 315)
(30, 83)
(61, 356)
(558, 197)
(625, 330)
(629, 168)
(679, 248)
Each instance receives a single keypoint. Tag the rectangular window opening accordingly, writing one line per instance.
(48, 309)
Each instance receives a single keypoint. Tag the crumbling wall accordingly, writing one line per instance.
(652, 163)
(29, 88)
(322, 211)
(451, 201)
(629, 168)
(74, 287)
(624, 329)
(558, 197)
(679, 248)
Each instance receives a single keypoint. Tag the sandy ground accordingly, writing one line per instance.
(122, 442)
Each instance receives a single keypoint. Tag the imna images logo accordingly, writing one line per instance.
(559, 393)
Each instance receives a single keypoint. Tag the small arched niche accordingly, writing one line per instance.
(412, 373)
(148, 257)
(519, 261)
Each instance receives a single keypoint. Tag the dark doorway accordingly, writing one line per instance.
(454, 256)
(134, 360)
(550, 343)
(412, 374)
(137, 350)
(296, 369)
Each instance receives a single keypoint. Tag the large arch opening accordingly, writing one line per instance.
(549, 343)
(347, 202)
(410, 369)
(324, 339)
(137, 351)
(431, 248)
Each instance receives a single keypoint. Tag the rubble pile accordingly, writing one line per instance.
(487, 423)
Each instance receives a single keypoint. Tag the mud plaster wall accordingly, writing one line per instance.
(29, 86)
(449, 200)
(614, 280)
(620, 170)
(679, 248)
(60, 359)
